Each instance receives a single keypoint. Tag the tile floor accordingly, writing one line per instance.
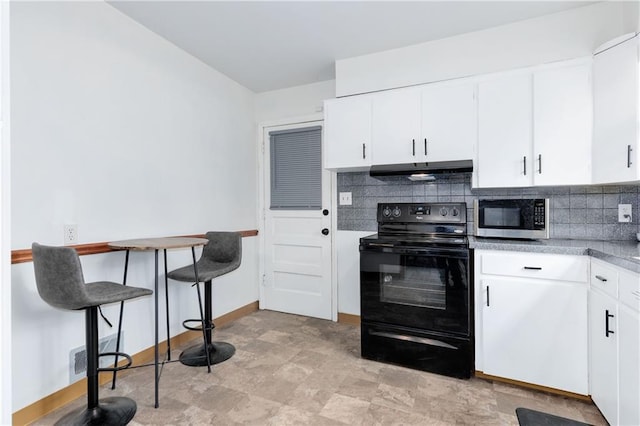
(293, 370)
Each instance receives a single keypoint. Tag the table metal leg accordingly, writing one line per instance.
(205, 324)
(166, 297)
(155, 288)
(124, 282)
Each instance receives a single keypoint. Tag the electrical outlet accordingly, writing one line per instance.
(345, 199)
(70, 234)
(624, 213)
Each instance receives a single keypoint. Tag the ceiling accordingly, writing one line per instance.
(269, 45)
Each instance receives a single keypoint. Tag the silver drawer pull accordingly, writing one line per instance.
(601, 278)
(533, 268)
(415, 339)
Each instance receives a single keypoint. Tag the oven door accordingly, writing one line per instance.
(426, 289)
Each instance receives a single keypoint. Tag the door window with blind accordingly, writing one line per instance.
(296, 170)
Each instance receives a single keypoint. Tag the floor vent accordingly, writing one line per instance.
(78, 356)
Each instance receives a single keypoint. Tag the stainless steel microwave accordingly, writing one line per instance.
(512, 218)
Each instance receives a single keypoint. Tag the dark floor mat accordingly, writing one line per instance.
(527, 417)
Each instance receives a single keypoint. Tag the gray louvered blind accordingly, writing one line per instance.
(296, 172)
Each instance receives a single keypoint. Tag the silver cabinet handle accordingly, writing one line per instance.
(629, 156)
(601, 278)
(425, 146)
(364, 151)
(487, 295)
(413, 141)
(524, 163)
(532, 268)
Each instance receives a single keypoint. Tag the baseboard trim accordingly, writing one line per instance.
(65, 395)
(348, 318)
(579, 396)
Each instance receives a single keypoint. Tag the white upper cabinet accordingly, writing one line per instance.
(436, 122)
(505, 131)
(562, 122)
(396, 127)
(347, 133)
(615, 101)
(534, 127)
(449, 121)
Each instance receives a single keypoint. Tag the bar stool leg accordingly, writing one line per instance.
(108, 411)
(217, 351)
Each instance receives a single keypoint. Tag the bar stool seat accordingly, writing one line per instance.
(220, 256)
(60, 283)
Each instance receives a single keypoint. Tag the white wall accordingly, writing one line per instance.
(5, 221)
(569, 34)
(120, 132)
(347, 246)
(293, 102)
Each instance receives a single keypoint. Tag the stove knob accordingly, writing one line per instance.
(396, 211)
(386, 212)
(444, 211)
(454, 212)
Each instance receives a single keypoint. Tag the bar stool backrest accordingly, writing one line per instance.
(224, 247)
(59, 277)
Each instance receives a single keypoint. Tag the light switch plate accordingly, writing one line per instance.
(345, 199)
(624, 213)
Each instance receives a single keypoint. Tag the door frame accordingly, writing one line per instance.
(6, 400)
(314, 119)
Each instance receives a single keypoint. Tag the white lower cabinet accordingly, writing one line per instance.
(629, 366)
(531, 318)
(538, 322)
(604, 351)
(614, 331)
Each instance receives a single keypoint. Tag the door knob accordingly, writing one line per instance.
(325, 212)
(325, 231)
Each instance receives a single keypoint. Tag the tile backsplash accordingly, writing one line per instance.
(577, 212)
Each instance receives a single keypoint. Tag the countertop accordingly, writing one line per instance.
(625, 254)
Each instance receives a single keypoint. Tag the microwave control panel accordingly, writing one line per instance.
(539, 213)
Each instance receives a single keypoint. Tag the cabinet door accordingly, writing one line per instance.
(535, 331)
(347, 133)
(562, 126)
(504, 132)
(629, 364)
(615, 103)
(396, 127)
(604, 347)
(449, 122)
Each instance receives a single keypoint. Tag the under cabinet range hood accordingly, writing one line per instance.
(421, 171)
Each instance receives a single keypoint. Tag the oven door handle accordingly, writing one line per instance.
(453, 253)
(415, 339)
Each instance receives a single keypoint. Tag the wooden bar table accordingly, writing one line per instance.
(156, 244)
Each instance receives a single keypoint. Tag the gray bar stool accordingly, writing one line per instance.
(220, 256)
(61, 284)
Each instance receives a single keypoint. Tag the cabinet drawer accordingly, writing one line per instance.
(536, 265)
(604, 277)
(629, 289)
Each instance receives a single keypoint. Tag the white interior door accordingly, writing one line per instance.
(297, 241)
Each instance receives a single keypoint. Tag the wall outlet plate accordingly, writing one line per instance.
(344, 199)
(624, 213)
(70, 234)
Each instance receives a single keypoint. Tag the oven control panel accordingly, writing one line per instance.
(422, 212)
